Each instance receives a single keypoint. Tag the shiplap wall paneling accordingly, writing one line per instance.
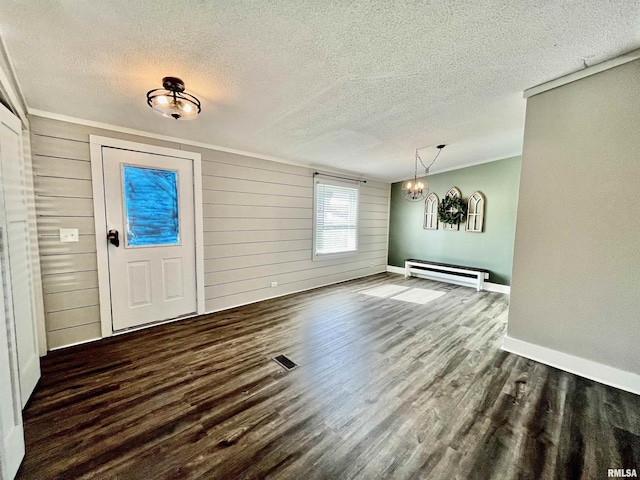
(259, 225)
(258, 228)
(62, 183)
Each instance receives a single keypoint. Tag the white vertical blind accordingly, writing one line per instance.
(336, 219)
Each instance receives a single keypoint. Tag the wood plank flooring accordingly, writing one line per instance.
(385, 390)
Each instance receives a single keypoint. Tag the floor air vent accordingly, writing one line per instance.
(285, 362)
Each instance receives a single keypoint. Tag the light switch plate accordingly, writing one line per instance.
(68, 235)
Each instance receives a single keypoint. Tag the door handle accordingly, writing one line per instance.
(113, 237)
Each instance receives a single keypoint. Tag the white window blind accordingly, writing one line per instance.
(336, 218)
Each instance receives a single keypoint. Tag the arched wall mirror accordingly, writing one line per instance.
(475, 213)
(431, 212)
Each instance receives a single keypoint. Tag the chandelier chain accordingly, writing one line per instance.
(426, 169)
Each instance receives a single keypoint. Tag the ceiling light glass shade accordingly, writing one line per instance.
(415, 189)
(172, 101)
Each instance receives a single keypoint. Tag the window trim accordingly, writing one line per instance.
(350, 184)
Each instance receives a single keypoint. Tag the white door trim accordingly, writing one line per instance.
(96, 144)
(41, 325)
(19, 253)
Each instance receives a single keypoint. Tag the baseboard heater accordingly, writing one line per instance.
(444, 272)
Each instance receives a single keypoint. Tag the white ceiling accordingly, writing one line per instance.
(351, 85)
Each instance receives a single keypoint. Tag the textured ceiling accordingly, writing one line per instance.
(352, 85)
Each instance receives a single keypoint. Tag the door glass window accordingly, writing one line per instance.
(150, 206)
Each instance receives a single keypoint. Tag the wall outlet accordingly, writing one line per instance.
(68, 235)
(274, 284)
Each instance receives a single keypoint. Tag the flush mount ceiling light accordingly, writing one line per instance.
(173, 101)
(416, 188)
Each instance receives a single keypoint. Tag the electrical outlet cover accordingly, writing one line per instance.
(68, 235)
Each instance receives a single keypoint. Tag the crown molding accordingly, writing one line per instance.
(141, 133)
(587, 72)
(466, 165)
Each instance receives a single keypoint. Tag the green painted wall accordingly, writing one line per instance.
(492, 249)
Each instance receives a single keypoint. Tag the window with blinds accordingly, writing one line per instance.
(335, 229)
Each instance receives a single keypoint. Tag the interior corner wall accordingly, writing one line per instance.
(576, 270)
(258, 219)
(492, 249)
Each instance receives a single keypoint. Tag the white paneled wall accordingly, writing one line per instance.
(257, 229)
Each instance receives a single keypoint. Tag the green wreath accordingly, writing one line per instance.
(452, 210)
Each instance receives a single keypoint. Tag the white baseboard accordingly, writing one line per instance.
(81, 342)
(585, 368)
(496, 287)
(392, 269)
(488, 286)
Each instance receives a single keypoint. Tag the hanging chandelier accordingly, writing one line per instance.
(417, 188)
(173, 101)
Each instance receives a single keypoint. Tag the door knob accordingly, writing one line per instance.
(113, 237)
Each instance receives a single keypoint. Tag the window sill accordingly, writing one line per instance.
(331, 256)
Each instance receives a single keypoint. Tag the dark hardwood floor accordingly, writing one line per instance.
(385, 389)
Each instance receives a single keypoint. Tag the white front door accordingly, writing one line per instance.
(149, 204)
(18, 275)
